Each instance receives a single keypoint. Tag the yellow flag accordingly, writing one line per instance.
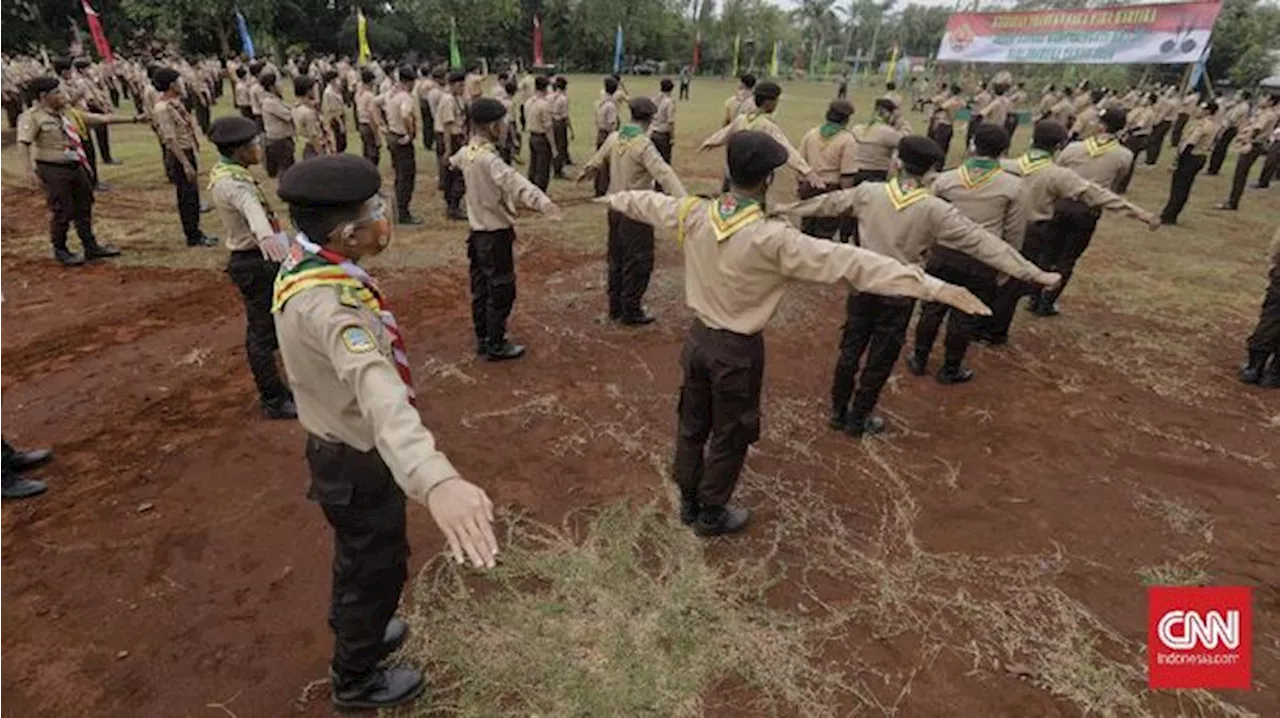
(362, 27)
(893, 64)
(736, 40)
(773, 63)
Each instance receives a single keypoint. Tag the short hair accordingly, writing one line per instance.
(1048, 135)
(407, 73)
(61, 65)
(319, 222)
(890, 86)
(509, 86)
(241, 72)
(329, 76)
(561, 83)
(367, 76)
(666, 84)
(610, 85)
(540, 82)
(748, 81)
(267, 79)
(990, 140)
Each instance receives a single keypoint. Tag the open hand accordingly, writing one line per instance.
(275, 247)
(1154, 222)
(1049, 280)
(554, 213)
(464, 514)
(963, 299)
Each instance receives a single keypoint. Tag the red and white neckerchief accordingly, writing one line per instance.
(74, 143)
(375, 301)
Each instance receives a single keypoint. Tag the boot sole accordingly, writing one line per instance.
(354, 706)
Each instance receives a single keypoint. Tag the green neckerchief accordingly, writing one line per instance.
(981, 163)
(1034, 154)
(905, 191)
(630, 132)
(731, 213)
(829, 130)
(977, 171)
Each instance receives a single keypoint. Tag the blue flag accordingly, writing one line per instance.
(246, 42)
(617, 51)
(1197, 70)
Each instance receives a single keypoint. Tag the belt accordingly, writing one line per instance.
(60, 165)
(246, 252)
(537, 134)
(700, 326)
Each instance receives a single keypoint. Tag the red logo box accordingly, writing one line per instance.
(1199, 637)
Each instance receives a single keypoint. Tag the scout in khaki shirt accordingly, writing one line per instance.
(402, 117)
(1137, 134)
(333, 109)
(1251, 143)
(277, 124)
(1192, 156)
(369, 118)
(1264, 343)
(942, 121)
(901, 219)
(240, 92)
(561, 126)
(257, 246)
(451, 113)
(306, 120)
(737, 264)
(1185, 108)
(1087, 124)
(1232, 117)
(634, 163)
(1163, 109)
(761, 120)
(877, 140)
(741, 102)
(537, 113)
(983, 192)
(829, 149)
(663, 128)
(367, 449)
(53, 156)
(494, 190)
(1062, 211)
(606, 117)
(178, 138)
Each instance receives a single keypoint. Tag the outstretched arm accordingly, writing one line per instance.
(831, 204)
(720, 137)
(955, 231)
(661, 171)
(660, 210)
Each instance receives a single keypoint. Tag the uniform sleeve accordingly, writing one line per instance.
(794, 159)
(245, 200)
(278, 110)
(402, 441)
(597, 160)
(611, 114)
(165, 126)
(1074, 186)
(1015, 221)
(721, 136)
(655, 208)
(661, 171)
(831, 204)
(518, 188)
(28, 129)
(799, 256)
(848, 160)
(955, 231)
(448, 114)
(1273, 251)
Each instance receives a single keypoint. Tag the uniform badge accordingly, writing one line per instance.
(349, 296)
(358, 340)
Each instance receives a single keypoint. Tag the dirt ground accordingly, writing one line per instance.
(987, 557)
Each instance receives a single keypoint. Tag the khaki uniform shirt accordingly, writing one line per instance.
(1063, 112)
(452, 116)
(366, 107)
(907, 234)
(537, 115)
(306, 122)
(494, 189)
(255, 98)
(277, 117)
(174, 124)
(1083, 99)
(1047, 104)
(1258, 129)
(42, 131)
(995, 205)
(242, 93)
(400, 113)
(1235, 114)
(1086, 124)
(634, 163)
(759, 122)
(735, 101)
(244, 219)
(559, 107)
(344, 380)
(1140, 121)
(1049, 183)
(1200, 136)
(333, 106)
(473, 86)
(736, 283)
(996, 111)
(833, 157)
(875, 147)
(664, 119)
(981, 100)
(1164, 109)
(944, 112)
(606, 114)
(1104, 161)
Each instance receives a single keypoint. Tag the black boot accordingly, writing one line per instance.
(690, 507)
(954, 374)
(637, 319)
(396, 633)
(282, 408)
(858, 427)
(503, 350)
(1251, 371)
(839, 415)
(383, 688)
(918, 362)
(721, 520)
(66, 257)
(1271, 377)
(16, 488)
(93, 250)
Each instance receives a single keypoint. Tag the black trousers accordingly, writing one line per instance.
(1072, 229)
(102, 138)
(1011, 124)
(255, 276)
(203, 118)
(493, 282)
(684, 91)
(876, 327)
(1219, 154)
(245, 111)
(1135, 144)
(1155, 141)
(1270, 167)
(12, 110)
(428, 127)
(601, 183)
(454, 186)
(365, 507)
(941, 133)
(980, 280)
(719, 411)
(91, 151)
(339, 135)
(1266, 336)
(849, 225)
(1179, 124)
(442, 160)
(1005, 303)
(68, 190)
(539, 160)
(630, 264)
(405, 165)
(1244, 163)
(824, 227)
(662, 141)
(279, 155)
(188, 194)
(370, 149)
(1184, 175)
(561, 159)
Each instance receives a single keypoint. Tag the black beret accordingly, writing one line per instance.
(44, 84)
(768, 91)
(839, 111)
(83, 62)
(457, 76)
(406, 73)
(752, 156)
(487, 109)
(666, 84)
(164, 77)
(1113, 118)
(642, 108)
(302, 84)
(540, 82)
(885, 103)
(330, 181)
(255, 67)
(1048, 135)
(232, 131)
(918, 152)
(367, 76)
(561, 83)
(748, 80)
(61, 65)
(610, 85)
(329, 76)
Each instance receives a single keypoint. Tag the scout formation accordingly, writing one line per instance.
(877, 210)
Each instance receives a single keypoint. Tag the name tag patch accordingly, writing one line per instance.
(358, 340)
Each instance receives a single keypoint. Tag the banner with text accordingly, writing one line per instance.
(1163, 34)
